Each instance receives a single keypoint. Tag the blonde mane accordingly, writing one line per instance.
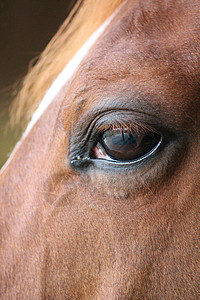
(85, 17)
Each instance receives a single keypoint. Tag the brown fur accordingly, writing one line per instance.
(81, 229)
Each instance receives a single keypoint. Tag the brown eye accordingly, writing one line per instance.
(125, 145)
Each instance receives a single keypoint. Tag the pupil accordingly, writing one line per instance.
(125, 145)
(120, 139)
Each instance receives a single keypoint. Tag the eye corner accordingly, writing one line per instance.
(77, 162)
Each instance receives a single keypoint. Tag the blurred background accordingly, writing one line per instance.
(26, 27)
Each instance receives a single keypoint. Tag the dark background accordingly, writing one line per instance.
(26, 27)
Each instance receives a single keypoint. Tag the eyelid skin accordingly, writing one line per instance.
(93, 122)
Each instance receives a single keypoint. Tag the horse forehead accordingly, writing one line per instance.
(148, 52)
(161, 37)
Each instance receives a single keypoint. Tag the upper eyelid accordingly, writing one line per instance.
(86, 133)
(91, 118)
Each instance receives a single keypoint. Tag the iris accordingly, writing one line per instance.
(126, 145)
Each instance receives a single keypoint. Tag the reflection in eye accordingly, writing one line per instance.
(125, 145)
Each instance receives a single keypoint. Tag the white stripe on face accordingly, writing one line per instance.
(62, 79)
(67, 73)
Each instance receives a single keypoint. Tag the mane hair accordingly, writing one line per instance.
(85, 17)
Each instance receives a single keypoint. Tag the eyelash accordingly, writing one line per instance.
(129, 125)
(83, 155)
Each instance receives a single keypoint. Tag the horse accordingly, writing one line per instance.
(100, 197)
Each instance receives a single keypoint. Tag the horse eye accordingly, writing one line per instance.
(125, 145)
